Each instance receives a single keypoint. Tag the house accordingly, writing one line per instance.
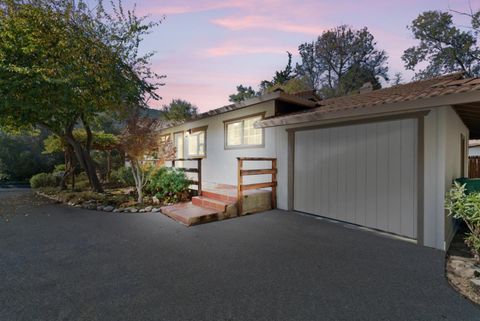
(383, 159)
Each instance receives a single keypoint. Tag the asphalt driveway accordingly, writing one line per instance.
(61, 263)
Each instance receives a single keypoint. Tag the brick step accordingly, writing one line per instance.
(211, 203)
(219, 197)
(189, 214)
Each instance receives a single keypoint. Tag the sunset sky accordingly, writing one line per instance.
(208, 47)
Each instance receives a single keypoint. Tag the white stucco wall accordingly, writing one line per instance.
(220, 164)
(443, 129)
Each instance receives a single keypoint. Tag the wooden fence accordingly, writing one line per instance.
(474, 167)
(247, 172)
(180, 164)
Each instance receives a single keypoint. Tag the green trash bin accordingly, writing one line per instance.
(472, 185)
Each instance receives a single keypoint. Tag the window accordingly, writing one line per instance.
(196, 144)
(242, 133)
(164, 138)
(178, 141)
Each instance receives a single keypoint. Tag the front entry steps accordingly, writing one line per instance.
(217, 202)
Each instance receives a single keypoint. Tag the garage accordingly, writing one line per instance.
(365, 174)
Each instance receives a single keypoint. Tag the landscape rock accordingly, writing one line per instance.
(155, 210)
(475, 283)
(108, 208)
(142, 210)
(155, 200)
(133, 210)
(117, 210)
(100, 208)
(148, 209)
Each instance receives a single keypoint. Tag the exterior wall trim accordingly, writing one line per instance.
(420, 180)
(362, 121)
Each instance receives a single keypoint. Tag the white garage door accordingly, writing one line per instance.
(363, 174)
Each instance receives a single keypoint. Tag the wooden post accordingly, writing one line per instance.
(199, 175)
(274, 186)
(239, 187)
(173, 163)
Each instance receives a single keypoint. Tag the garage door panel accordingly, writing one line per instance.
(350, 176)
(382, 175)
(363, 174)
(394, 175)
(371, 178)
(360, 165)
(408, 178)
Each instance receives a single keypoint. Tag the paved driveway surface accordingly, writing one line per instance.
(59, 263)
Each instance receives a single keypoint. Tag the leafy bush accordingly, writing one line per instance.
(59, 168)
(43, 180)
(168, 184)
(122, 177)
(466, 207)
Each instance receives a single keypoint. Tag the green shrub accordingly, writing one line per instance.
(43, 180)
(60, 168)
(168, 185)
(466, 207)
(122, 177)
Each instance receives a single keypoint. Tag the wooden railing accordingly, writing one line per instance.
(474, 167)
(198, 170)
(241, 187)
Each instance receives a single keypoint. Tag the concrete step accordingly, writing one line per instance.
(212, 203)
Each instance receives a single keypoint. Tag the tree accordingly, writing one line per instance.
(397, 79)
(279, 78)
(139, 139)
(61, 65)
(101, 141)
(179, 110)
(309, 69)
(21, 155)
(243, 93)
(292, 86)
(443, 46)
(341, 60)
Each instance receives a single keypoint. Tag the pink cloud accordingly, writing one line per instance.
(236, 49)
(264, 22)
(182, 7)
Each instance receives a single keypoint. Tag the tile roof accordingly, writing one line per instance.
(438, 86)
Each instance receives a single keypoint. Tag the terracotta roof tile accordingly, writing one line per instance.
(439, 86)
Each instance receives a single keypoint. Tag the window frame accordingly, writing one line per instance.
(242, 119)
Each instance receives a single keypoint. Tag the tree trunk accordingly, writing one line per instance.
(69, 167)
(138, 177)
(86, 162)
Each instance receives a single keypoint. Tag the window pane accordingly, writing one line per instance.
(234, 134)
(252, 135)
(179, 145)
(201, 144)
(193, 145)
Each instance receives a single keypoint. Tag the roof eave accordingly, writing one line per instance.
(404, 106)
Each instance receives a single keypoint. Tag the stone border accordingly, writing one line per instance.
(462, 270)
(90, 205)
